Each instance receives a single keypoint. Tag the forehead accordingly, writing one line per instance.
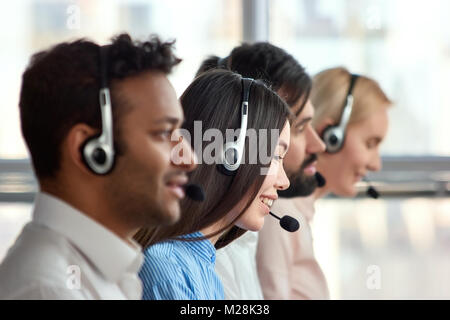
(307, 111)
(375, 124)
(285, 135)
(150, 96)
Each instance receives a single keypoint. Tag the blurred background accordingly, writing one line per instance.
(402, 239)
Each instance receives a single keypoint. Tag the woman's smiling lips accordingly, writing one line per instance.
(268, 200)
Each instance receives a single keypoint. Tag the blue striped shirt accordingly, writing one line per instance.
(181, 270)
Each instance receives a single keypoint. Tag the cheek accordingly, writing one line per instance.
(270, 178)
(252, 219)
(355, 156)
(295, 155)
(331, 166)
(144, 165)
(268, 172)
(336, 170)
(155, 156)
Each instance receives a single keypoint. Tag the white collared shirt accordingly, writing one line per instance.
(287, 266)
(236, 266)
(64, 254)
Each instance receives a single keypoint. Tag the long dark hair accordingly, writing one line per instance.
(263, 60)
(214, 98)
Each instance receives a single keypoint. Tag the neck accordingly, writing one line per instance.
(89, 202)
(320, 193)
(212, 229)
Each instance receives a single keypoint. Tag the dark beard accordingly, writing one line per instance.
(301, 184)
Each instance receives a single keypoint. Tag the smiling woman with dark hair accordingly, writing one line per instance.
(179, 259)
(262, 60)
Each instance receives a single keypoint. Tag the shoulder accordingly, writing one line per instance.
(43, 290)
(164, 275)
(225, 264)
(241, 249)
(169, 289)
(161, 263)
(39, 246)
(38, 256)
(161, 249)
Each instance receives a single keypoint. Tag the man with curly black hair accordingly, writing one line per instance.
(79, 243)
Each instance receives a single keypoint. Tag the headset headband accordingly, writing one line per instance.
(234, 150)
(348, 107)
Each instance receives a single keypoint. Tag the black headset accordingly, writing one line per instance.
(98, 151)
(231, 155)
(334, 135)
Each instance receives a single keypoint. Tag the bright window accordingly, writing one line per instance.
(200, 27)
(403, 44)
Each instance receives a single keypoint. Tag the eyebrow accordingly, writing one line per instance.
(303, 121)
(171, 120)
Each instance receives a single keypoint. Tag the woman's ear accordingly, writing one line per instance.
(75, 140)
(325, 123)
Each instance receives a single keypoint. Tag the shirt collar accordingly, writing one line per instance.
(203, 248)
(306, 206)
(298, 207)
(112, 256)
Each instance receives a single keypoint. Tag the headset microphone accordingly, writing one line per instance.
(371, 191)
(194, 192)
(320, 179)
(287, 222)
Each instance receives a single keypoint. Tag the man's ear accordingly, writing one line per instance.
(75, 139)
(325, 123)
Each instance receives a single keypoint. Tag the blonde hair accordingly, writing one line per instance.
(328, 95)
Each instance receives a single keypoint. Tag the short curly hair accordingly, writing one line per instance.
(60, 88)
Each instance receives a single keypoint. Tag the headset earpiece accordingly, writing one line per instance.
(334, 136)
(98, 151)
(232, 152)
(99, 158)
(221, 168)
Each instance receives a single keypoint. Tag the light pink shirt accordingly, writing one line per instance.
(287, 267)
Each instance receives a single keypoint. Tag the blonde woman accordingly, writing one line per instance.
(351, 117)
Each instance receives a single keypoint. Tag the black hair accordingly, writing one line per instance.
(263, 60)
(214, 98)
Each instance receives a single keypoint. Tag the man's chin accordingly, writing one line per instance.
(170, 213)
(173, 214)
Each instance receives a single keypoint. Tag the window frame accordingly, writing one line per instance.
(401, 176)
